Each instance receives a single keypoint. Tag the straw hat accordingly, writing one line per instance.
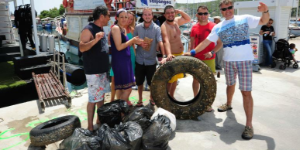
(217, 17)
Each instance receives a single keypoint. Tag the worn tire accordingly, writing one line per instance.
(54, 130)
(200, 71)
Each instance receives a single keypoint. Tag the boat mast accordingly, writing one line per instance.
(297, 11)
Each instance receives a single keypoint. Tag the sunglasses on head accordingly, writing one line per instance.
(200, 14)
(224, 9)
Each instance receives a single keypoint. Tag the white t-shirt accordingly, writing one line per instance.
(234, 35)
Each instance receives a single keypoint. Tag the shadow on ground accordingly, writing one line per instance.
(229, 133)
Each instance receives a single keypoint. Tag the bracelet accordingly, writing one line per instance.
(193, 52)
(266, 11)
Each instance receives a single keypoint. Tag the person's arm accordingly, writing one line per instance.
(215, 50)
(265, 13)
(199, 48)
(161, 46)
(192, 43)
(273, 34)
(133, 46)
(86, 43)
(165, 39)
(185, 18)
(116, 33)
(218, 46)
(261, 32)
(266, 32)
(108, 37)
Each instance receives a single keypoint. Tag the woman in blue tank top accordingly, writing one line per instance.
(129, 30)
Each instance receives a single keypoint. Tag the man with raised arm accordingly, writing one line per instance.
(238, 55)
(171, 38)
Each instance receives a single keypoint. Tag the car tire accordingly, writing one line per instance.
(200, 71)
(54, 130)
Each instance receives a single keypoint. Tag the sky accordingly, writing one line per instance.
(41, 5)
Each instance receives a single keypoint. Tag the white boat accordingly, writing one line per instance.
(294, 27)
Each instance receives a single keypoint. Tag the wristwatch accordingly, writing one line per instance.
(266, 11)
(164, 56)
(212, 52)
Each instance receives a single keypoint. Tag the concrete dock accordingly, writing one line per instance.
(276, 116)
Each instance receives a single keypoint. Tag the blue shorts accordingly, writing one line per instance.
(98, 85)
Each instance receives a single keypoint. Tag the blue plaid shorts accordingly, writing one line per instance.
(244, 71)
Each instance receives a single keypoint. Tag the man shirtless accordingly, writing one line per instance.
(171, 38)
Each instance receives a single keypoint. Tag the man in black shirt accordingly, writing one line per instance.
(94, 48)
(267, 31)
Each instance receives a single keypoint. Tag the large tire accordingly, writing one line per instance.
(54, 130)
(184, 64)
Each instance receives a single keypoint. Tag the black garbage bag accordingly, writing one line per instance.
(81, 139)
(158, 134)
(123, 104)
(132, 132)
(140, 115)
(111, 139)
(111, 113)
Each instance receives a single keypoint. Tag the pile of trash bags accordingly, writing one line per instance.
(121, 130)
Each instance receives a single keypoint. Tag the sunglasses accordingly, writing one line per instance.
(205, 14)
(229, 8)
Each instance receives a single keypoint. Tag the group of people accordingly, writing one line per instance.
(207, 38)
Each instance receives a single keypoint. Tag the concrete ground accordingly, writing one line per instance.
(276, 123)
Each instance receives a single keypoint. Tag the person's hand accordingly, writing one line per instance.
(177, 11)
(170, 57)
(144, 45)
(99, 35)
(208, 55)
(267, 32)
(187, 54)
(262, 7)
(163, 61)
(137, 40)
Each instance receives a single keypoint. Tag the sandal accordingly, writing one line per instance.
(139, 104)
(152, 102)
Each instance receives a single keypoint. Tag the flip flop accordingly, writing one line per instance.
(139, 104)
(152, 102)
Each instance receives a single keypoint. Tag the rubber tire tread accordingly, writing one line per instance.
(60, 128)
(200, 71)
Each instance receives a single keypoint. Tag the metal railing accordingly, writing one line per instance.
(59, 66)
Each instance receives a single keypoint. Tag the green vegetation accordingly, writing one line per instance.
(8, 79)
(52, 13)
(213, 7)
(294, 11)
